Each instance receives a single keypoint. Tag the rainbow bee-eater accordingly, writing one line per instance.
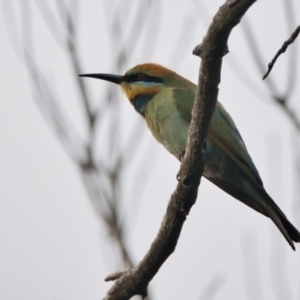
(165, 100)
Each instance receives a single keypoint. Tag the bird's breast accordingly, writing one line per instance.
(167, 124)
(139, 103)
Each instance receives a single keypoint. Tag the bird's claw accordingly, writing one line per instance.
(181, 156)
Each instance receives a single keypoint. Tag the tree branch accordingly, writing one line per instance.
(214, 46)
(282, 50)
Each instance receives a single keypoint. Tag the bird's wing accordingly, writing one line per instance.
(223, 132)
(225, 136)
(184, 101)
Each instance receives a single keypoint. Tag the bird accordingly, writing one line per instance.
(165, 100)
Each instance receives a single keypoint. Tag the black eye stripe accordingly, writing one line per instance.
(146, 78)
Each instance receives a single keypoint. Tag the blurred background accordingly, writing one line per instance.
(84, 185)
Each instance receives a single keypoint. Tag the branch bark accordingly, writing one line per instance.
(214, 46)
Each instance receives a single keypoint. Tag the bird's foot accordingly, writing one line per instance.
(181, 155)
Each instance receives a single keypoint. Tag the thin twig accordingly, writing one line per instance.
(272, 87)
(282, 50)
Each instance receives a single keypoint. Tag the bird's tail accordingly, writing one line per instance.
(265, 206)
(288, 230)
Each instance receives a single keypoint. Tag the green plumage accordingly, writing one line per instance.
(165, 100)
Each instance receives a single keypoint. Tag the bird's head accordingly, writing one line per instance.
(141, 83)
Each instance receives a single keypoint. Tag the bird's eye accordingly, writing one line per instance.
(141, 76)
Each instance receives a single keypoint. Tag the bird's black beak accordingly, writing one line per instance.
(108, 77)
